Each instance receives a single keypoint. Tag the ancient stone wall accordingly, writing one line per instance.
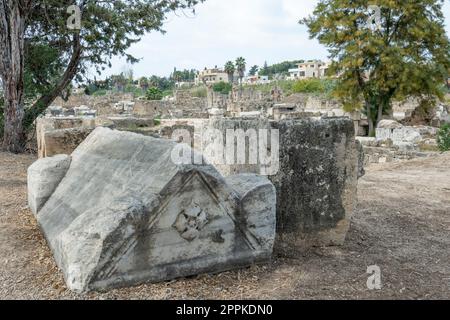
(189, 108)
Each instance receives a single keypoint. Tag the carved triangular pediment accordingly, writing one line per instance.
(195, 218)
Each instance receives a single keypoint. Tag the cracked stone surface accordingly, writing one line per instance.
(125, 214)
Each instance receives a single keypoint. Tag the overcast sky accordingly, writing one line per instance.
(221, 30)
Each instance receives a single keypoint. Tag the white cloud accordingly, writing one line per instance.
(297, 9)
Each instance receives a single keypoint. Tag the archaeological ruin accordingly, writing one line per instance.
(120, 212)
(121, 199)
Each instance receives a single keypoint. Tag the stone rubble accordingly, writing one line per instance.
(117, 211)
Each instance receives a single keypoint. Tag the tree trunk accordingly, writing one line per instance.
(12, 29)
(13, 134)
(369, 119)
(43, 102)
(380, 112)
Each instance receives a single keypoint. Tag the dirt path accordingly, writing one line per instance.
(402, 224)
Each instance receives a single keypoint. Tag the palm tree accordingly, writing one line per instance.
(230, 69)
(143, 83)
(240, 65)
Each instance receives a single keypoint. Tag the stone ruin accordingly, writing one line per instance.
(61, 135)
(316, 181)
(397, 142)
(119, 212)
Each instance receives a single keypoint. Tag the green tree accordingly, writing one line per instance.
(443, 138)
(119, 82)
(309, 86)
(162, 83)
(42, 71)
(154, 93)
(143, 83)
(222, 87)
(241, 65)
(230, 69)
(281, 68)
(265, 70)
(185, 75)
(253, 70)
(108, 28)
(401, 50)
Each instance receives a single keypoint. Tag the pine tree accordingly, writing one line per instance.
(107, 29)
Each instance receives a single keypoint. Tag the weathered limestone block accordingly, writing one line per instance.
(43, 177)
(57, 135)
(63, 141)
(125, 214)
(319, 164)
(257, 197)
(317, 182)
(373, 154)
(361, 159)
(84, 111)
(389, 124)
(128, 122)
(213, 134)
(405, 138)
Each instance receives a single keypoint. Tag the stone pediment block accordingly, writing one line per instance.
(124, 213)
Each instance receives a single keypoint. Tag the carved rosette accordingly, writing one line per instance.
(190, 222)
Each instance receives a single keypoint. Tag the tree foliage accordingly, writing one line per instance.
(222, 87)
(443, 138)
(241, 66)
(183, 75)
(281, 68)
(108, 29)
(154, 93)
(253, 70)
(230, 69)
(402, 52)
(314, 85)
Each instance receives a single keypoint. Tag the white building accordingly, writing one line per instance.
(256, 79)
(211, 76)
(309, 69)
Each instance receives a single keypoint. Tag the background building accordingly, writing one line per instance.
(309, 69)
(256, 79)
(211, 76)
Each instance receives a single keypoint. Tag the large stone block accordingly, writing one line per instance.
(43, 177)
(63, 141)
(317, 182)
(125, 213)
(57, 135)
(319, 164)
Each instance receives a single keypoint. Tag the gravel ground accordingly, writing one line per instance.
(402, 224)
